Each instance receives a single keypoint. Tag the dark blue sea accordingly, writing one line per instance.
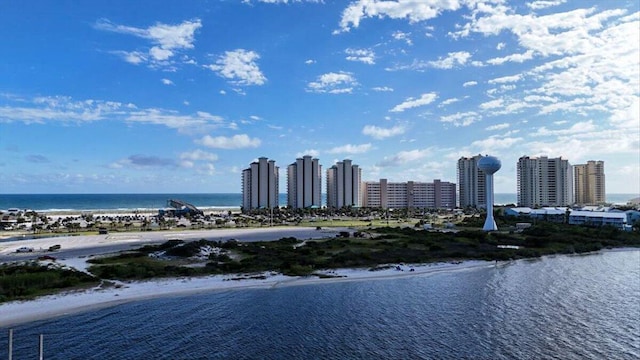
(89, 202)
(561, 307)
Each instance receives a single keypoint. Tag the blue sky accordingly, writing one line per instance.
(166, 96)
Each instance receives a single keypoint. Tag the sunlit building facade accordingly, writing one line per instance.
(343, 185)
(544, 181)
(410, 194)
(260, 187)
(471, 183)
(589, 185)
(304, 183)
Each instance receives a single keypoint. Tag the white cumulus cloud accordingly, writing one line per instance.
(413, 10)
(451, 60)
(240, 67)
(333, 83)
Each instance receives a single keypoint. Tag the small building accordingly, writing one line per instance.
(554, 214)
(632, 216)
(598, 218)
(517, 211)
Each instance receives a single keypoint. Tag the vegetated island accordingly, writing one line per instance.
(374, 248)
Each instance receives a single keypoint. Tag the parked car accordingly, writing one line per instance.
(54, 247)
(24, 249)
(46, 257)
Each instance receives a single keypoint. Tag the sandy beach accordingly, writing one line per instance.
(47, 307)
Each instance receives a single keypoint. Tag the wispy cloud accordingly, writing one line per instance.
(448, 102)
(38, 159)
(402, 36)
(173, 119)
(350, 149)
(189, 159)
(498, 127)
(424, 99)
(366, 56)
(139, 161)
(506, 79)
(233, 142)
(382, 133)
(517, 58)
(167, 40)
(461, 118)
(404, 157)
(543, 4)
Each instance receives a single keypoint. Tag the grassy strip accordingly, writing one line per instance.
(384, 245)
(27, 281)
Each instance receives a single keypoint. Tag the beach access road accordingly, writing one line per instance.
(87, 245)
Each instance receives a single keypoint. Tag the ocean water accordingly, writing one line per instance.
(562, 307)
(88, 202)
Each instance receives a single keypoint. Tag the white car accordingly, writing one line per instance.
(24, 249)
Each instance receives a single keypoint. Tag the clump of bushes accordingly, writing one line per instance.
(29, 280)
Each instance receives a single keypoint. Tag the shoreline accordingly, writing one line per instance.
(75, 302)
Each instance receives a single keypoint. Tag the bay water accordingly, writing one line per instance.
(555, 307)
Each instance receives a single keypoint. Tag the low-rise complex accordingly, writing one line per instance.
(410, 194)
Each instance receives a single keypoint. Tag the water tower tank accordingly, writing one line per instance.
(489, 164)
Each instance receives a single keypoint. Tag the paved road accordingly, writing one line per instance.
(86, 245)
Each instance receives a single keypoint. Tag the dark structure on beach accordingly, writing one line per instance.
(179, 208)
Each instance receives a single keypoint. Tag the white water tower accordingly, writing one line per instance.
(489, 165)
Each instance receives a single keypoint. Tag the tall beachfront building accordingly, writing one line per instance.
(589, 183)
(304, 183)
(544, 181)
(343, 185)
(410, 194)
(260, 185)
(471, 183)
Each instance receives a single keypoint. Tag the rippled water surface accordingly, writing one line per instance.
(564, 307)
